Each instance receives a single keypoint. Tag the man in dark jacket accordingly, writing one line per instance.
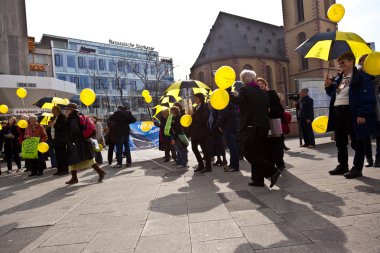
(351, 113)
(120, 121)
(306, 116)
(59, 140)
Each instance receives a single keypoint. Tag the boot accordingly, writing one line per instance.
(74, 178)
(100, 172)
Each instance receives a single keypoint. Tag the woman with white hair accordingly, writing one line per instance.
(254, 125)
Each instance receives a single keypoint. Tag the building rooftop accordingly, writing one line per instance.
(234, 36)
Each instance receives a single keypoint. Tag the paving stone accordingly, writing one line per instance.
(172, 243)
(369, 223)
(213, 230)
(256, 217)
(114, 240)
(240, 200)
(309, 248)
(71, 236)
(73, 248)
(367, 198)
(345, 239)
(208, 214)
(167, 211)
(125, 222)
(343, 208)
(316, 197)
(170, 201)
(204, 202)
(172, 225)
(233, 245)
(273, 236)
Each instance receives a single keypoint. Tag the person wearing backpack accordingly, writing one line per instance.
(79, 150)
(120, 121)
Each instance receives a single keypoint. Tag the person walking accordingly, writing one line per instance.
(351, 114)
(120, 121)
(99, 138)
(254, 126)
(11, 145)
(306, 116)
(199, 133)
(80, 152)
(59, 136)
(34, 129)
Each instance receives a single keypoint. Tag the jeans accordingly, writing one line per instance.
(53, 159)
(111, 147)
(123, 141)
(232, 146)
(181, 154)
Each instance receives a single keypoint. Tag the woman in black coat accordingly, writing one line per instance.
(80, 151)
(216, 138)
(11, 144)
(59, 136)
(199, 133)
(276, 112)
(254, 125)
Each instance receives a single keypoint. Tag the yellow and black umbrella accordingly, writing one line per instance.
(330, 45)
(187, 88)
(45, 118)
(49, 102)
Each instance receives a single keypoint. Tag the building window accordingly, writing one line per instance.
(97, 83)
(92, 63)
(152, 69)
(71, 61)
(101, 64)
(269, 75)
(80, 62)
(111, 66)
(304, 63)
(300, 10)
(120, 66)
(248, 66)
(57, 60)
(133, 85)
(76, 81)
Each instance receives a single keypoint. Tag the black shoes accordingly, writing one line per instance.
(353, 173)
(230, 169)
(376, 164)
(369, 164)
(206, 170)
(273, 178)
(339, 170)
(257, 184)
(199, 168)
(281, 167)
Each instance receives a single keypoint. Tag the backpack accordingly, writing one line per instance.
(88, 127)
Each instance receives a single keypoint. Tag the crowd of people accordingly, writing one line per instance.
(251, 126)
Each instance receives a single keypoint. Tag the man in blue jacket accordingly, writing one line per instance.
(306, 116)
(351, 113)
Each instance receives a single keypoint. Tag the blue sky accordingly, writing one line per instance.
(176, 28)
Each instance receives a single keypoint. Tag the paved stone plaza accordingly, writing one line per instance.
(155, 207)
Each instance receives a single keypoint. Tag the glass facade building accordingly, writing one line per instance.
(114, 72)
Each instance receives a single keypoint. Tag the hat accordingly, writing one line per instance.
(72, 106)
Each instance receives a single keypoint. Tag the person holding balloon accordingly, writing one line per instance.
(254, 126)
(351, 114)
(34, 129)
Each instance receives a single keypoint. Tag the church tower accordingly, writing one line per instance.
(302, 19)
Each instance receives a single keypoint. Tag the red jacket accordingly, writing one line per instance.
(36, 131)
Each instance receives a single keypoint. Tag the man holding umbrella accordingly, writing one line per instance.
(351, 113)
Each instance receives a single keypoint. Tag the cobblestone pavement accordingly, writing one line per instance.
(156, 207)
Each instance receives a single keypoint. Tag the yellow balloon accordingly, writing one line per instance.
(148, 99)
(1, 127)
(146, 126)
(319, 124)
(43, 147)
(336, 12)
(3, 109)
(372, 63)
(22, 123)
(21, 92)
(87, 96)
(224, 77)
(100, 148)
(145, 93)
(186, 120)
(220, 99)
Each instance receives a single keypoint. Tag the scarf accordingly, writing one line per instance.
(168, 125)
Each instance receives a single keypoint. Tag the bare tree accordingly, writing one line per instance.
(97, 78)
(151, 70)
(118, 74)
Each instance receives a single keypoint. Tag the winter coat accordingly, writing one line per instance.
(199, 126)
(276, 110)
(306, 110)
(362, 102)
(78, 148)
(118, 125)
(36, 131)
(60, 131)
(11, 145)
(229, 118)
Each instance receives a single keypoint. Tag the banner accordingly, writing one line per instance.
(29, 148)
(144, 135)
